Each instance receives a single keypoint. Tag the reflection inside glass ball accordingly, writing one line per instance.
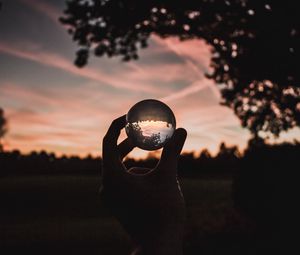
(150, 124)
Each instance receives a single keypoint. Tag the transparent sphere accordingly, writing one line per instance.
(150, 124)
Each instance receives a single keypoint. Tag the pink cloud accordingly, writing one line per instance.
(64, 123)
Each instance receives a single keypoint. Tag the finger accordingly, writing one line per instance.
(109, 146)
(171, 151)
(125, 147)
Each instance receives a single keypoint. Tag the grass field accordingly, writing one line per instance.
(64, 215)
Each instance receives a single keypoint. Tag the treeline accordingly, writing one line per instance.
(16, 163)
(265, 177)
(225, 163)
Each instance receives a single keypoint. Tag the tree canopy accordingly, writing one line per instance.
(255, 45)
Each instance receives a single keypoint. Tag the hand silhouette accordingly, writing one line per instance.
(147, 202)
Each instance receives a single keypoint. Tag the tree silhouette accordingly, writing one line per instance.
(3, 128)
(154, 139)
(255, 46)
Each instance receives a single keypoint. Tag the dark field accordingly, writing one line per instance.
(63, 215)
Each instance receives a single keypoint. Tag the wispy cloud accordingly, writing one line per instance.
(163, 72)
(72, 119)
(191, 52)
(39, 121)
(193, 88)
(59, 62)
(45, 8)
(196, 54)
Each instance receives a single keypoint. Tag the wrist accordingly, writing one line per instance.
(168, 243)
(159, 250)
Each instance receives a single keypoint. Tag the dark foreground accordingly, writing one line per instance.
(63, 214)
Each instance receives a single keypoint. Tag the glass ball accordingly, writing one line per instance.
(150, 124)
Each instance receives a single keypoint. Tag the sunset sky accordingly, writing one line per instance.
(52, 105)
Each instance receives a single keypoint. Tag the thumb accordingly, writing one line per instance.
(171, 151)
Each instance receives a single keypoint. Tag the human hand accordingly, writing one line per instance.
(147, 202)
